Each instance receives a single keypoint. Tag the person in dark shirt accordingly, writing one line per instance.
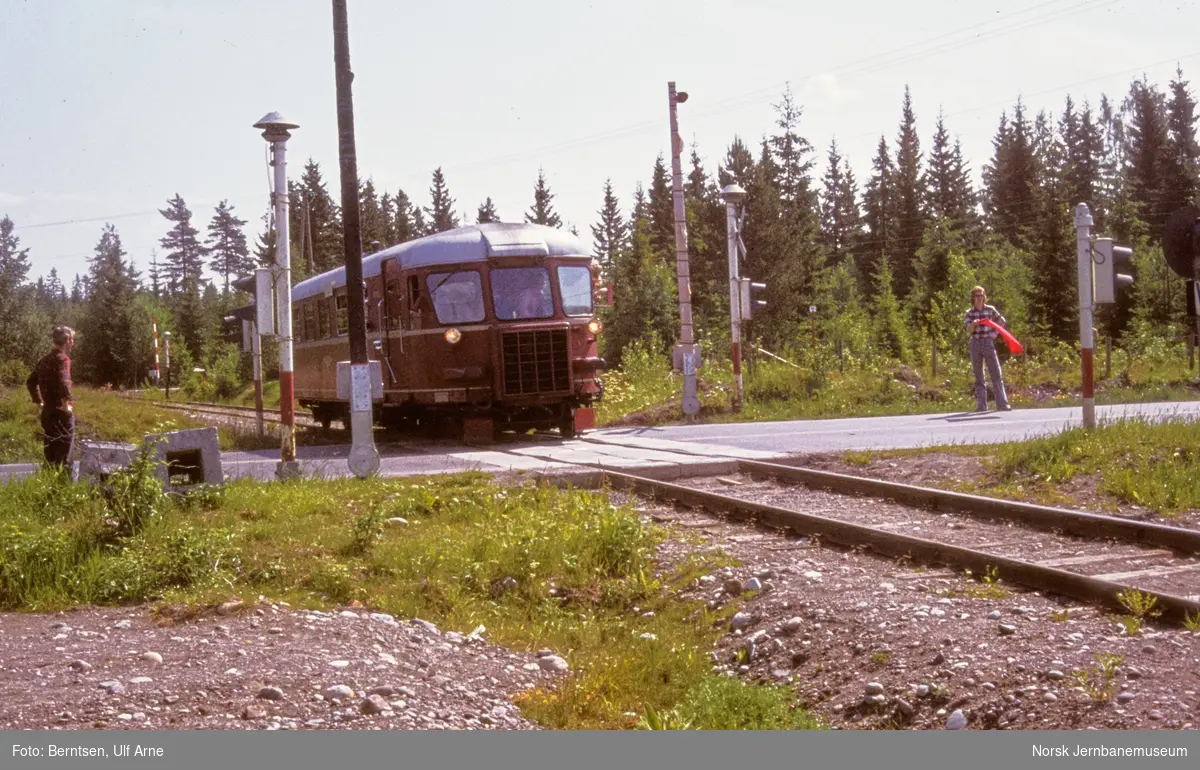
(50, 388)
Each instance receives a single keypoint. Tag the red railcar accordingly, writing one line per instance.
(488, 323)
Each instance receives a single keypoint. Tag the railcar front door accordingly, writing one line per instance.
(391, 350)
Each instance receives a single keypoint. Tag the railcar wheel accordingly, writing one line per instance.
(566, 423)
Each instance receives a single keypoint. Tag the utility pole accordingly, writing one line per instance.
(276, 130)
(364, 457)
(734, 197)
(687, 356)
(1083, 232)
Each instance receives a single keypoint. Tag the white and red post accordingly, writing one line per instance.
(735, 303)
(1083, 230)
(276, 131)
(154, 326)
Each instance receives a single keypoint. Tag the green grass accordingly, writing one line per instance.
(645, 390)
(537, 566)
(1132, 460)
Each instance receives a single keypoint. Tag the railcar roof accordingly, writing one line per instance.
(475, 243)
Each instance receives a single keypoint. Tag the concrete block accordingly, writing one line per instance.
(98, 459)
(187, 458)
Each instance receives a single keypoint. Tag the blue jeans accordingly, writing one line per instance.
(983, 349)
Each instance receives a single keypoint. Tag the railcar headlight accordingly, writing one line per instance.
(594, 326)
(453, 336)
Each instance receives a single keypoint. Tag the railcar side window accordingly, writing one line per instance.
(522, 293)
(343, 315)
(575, 287)
(310, 321)
(457, 297)
(323, 316)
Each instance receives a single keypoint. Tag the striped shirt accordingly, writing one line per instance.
(983, 330)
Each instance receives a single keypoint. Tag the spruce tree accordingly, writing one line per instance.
(738, 167)
(792, 155)
(841, 221)
(1010, 180)
(107, 357)
(948, 183)
(227, 245)
(661, 211)
(21, 339)
(373, 224)
(487, 213)
(643, 308)
(879, 216)
(542, 211)
(155, 274)
(441, 209)
(403, 220)
(315, 217)
(1181, 180)
(610, 233)
(908, 189)
(184, 258)
(708, 249)
(1146, 152)
(1083, 149)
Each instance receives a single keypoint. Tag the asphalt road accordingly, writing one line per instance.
(906, 431)
(634, 448)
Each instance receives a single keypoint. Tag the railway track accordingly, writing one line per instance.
(1087, 557)
(241, 413)
(1084, 556)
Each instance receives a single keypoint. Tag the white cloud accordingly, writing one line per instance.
(825, 87)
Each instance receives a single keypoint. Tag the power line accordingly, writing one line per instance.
(855, 67)
(83, 221)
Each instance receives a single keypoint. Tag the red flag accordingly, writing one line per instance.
(1014, 347)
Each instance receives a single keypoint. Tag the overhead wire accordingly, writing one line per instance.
(856, 67)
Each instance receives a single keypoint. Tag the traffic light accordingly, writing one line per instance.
(236, 328)
(1108, 259)
(750, 293)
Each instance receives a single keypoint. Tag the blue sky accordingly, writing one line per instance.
(112, 108)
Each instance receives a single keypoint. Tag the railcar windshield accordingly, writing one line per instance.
(457, 297)
(522, 293)
(575, 287)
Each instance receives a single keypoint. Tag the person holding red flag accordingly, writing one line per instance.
(983, 349)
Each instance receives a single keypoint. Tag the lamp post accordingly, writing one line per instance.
(734, 197)
(687, 356)
(276, 130)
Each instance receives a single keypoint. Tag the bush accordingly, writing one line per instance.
(13, 373)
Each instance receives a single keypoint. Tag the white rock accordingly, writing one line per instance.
(552, 663)
(956, 721)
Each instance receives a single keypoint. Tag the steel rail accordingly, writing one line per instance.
(1175, 609)
(1081, 524)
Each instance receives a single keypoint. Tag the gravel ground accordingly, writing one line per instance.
(268, 667)
(866, 643)
(869, 643)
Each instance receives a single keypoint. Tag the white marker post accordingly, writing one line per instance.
(1083, 232)
(734, 196)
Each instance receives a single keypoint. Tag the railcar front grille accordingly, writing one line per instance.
(536, 361)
